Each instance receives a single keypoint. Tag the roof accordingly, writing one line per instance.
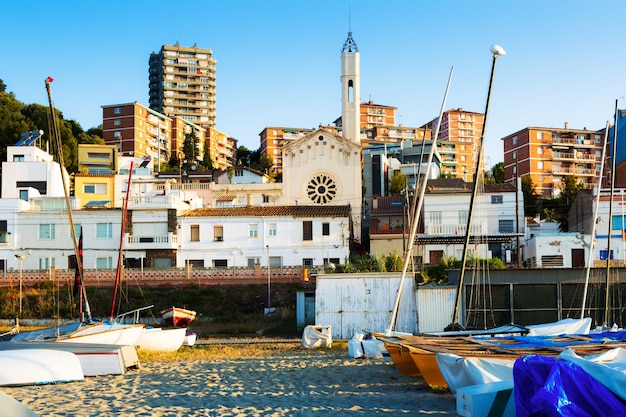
(388, 204)
(271, 211)
(457, 184)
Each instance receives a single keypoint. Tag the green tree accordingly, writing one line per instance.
(557, 209)
(3, 87)
(497, 173)
(397, 183)
(531, 198)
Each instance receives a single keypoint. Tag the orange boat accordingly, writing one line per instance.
(178, 317)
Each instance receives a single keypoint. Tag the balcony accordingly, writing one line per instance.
(169, 241)
(453, 229)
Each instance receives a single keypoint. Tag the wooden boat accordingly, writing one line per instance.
(162, 340)
(424, 349)
(178, 317)
(38, 366)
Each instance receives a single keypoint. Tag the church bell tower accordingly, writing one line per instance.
(350, 91)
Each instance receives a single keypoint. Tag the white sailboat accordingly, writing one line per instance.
(86, 330)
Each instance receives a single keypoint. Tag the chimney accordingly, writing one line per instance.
(566, 125)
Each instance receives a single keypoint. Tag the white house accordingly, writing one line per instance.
(497, 221)
(248, 236)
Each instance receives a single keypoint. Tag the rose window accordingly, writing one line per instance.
(321, 189)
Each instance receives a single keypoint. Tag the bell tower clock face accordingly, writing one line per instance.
(321, 189)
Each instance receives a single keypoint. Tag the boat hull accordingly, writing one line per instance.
(38, 366)
(178, 317)
(162, 340)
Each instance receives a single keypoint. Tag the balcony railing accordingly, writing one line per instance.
(169, 241)
(453, 229)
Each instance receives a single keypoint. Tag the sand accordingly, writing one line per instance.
(305, 382)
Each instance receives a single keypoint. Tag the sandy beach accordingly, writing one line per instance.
(301, 382)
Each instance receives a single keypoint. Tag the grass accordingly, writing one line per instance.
(231, 350)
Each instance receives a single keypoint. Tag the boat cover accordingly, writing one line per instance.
(569, 385)
(565, 326)
(461, 371)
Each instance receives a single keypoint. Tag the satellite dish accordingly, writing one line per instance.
(497, 50)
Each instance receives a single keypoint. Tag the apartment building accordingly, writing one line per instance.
(548, 155)
(222, 148)
(458, 141)
(273, 138)
(139, 131)
(182, 83)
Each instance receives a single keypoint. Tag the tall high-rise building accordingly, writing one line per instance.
(182, 83)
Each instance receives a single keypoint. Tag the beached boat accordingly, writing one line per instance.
(190, 339)
(178, 317)
(95, 359)
(162, 340)
(38, 366)
(12, 407)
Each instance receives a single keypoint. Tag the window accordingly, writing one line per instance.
(307, 261)
(307, 230)
(540, 135)
(194, 233)
(540, 165)
(252, 262)
(104, 263)
(539, 150)
(46, 263)
(104, 230)
(271, 231)
(514, 140)
(435, 217)
(117, 122)
(325, 229)
(266, 198)
(218, 233)
(18, 158)
(23, 195)
(505, 226)
(463, 216)
(253, 230)
(220, 263)
(47, 232)
(117, 110)
(496, 199)
(117, 134)
(94, 188)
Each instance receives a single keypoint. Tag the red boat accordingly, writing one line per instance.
(175, 316)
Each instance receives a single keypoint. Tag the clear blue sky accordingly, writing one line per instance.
(278, 62)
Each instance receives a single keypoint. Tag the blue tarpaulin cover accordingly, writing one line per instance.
(547, 386)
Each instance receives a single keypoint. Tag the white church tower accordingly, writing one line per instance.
(350, 91)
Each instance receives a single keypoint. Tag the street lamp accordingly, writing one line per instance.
(21, 259)
(496, 51)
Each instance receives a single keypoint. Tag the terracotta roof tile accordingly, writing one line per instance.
(268, 211)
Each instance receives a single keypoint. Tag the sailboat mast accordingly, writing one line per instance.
(118, 270)
(496, 51)
(59, 148)
(608, 247)
(418, 201)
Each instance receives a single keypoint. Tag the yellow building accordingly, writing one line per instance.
(94, 182)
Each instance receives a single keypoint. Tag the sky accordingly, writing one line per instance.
(279, 61)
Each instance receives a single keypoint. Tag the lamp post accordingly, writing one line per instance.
(496, 51)
(21, 259)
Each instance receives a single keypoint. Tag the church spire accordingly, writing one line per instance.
(349, 46)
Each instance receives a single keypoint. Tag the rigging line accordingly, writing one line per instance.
(66, 183)
(593, 239)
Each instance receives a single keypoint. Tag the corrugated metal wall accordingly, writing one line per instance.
(435, 306)
(353, 303)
